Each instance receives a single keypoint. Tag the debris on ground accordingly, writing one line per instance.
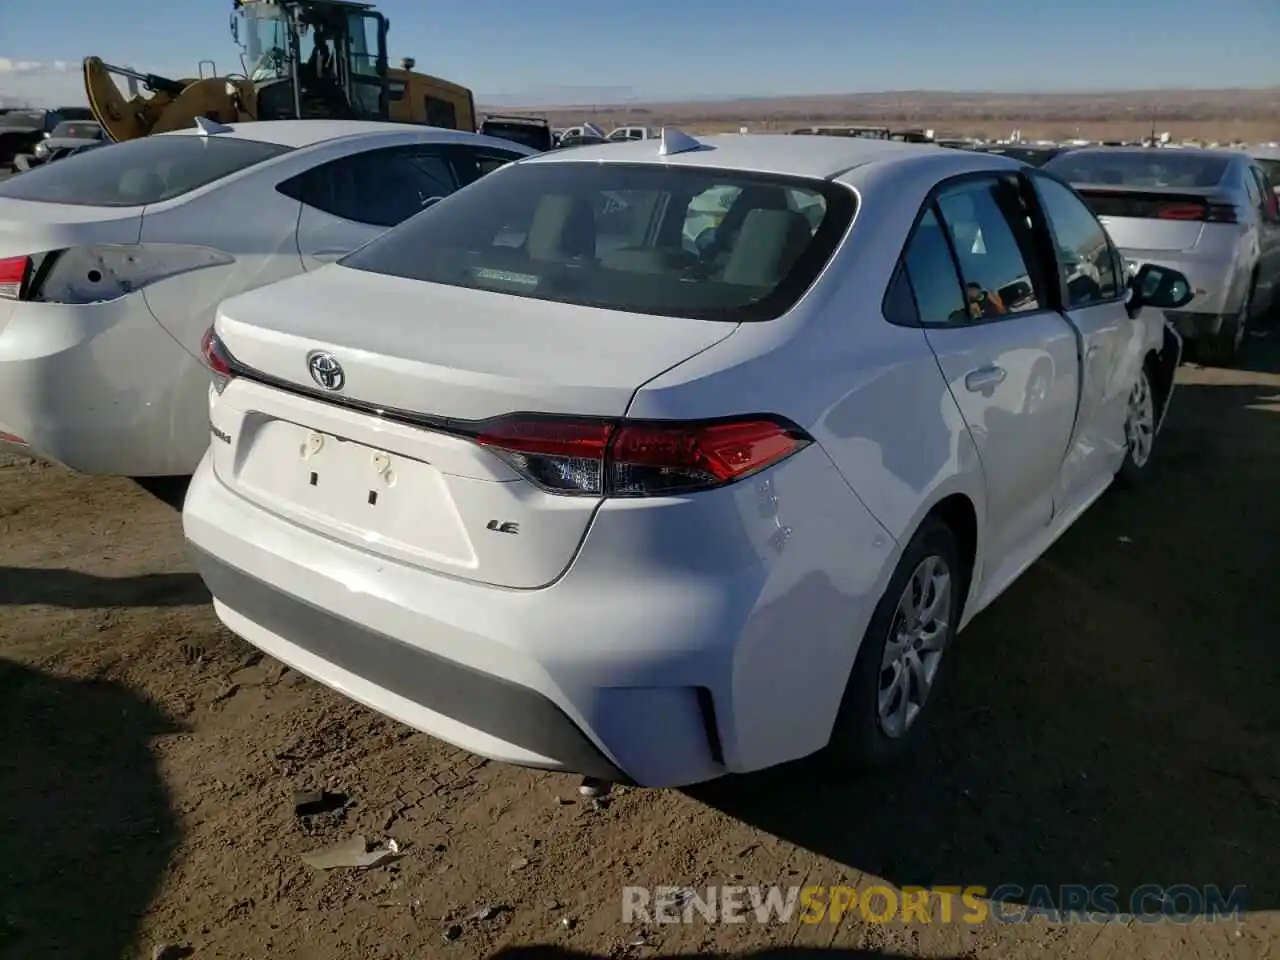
(453, 931)
(309, 803)
(355, 852)
(487, 912)
(591, 787)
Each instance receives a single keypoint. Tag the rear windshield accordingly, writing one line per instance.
(1140, 168)
(137, 172)
(643, 238)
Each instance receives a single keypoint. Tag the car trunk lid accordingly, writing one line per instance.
(1153, 218)
(28, 227)
(387, 461)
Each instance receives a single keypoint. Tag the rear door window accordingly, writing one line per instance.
(991, 235)
(379, 188)
(626, 237)
(931, 274)
(138, 172)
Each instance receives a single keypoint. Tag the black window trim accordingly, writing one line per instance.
(1049, 292)
(1112, 249)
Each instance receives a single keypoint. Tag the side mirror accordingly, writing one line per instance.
(1157, 286)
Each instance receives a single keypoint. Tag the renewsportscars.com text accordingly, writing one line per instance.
(1010, 903)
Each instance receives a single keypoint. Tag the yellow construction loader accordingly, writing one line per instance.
(301, 59)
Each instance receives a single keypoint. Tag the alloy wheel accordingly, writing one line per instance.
(1140, 427)
(914, 648)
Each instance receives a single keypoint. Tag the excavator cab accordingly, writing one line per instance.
(313, 58)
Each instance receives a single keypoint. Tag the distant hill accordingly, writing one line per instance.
(1248, 113)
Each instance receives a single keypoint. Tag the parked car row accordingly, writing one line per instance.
(22, 131)
(651, 461)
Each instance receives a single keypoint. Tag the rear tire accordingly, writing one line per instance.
(895, 677)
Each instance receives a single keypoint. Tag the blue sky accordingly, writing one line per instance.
(588, 51)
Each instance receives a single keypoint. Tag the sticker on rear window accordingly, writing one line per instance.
(527, 281)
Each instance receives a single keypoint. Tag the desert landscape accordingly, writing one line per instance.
(1248, 115)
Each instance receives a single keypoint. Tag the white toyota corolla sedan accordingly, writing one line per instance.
(112, 263)
(543, 475)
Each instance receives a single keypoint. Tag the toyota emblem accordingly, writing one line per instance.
(326, 370)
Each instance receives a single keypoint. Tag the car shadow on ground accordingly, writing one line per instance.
(84, 591)
(87, 826)
(549, 952)
(1113, 718)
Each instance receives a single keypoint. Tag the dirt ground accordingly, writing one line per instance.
(1112, 719)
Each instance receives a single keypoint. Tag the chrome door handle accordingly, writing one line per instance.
(984, 379)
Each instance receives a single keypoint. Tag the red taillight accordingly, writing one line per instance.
(1206, 212)
(1181, 211)
(215, 354)
(580, 456)
(13, 276)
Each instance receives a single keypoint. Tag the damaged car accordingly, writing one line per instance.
(653, 496)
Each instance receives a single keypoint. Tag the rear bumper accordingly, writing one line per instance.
(508, 711)
(100, 388)
(671, 652)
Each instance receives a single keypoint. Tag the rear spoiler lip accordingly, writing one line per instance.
(1209, 194)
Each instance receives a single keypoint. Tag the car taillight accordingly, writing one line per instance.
(1222, 213)
(1180, 211)
(1206, 212)
(14, 272)
(215, 355)
(625, 458)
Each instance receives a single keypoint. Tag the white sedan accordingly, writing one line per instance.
(581, 492)
(113, 262)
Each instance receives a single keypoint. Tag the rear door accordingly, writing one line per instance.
(1091, 281)
(349, 201)
(1009, 358)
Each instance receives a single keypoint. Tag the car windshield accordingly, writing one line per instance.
(138, 172)
(641, 238)
(22, 118)
(1140, 168)
(77, 130)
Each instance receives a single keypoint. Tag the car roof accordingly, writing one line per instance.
(805, 156)
(306, 133)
